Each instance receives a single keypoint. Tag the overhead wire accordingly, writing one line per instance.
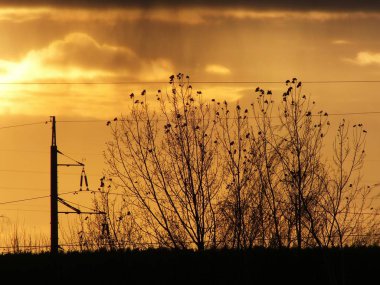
(190, 81)
(22, 125)
(38, 197)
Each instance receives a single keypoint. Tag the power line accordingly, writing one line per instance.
(191, 82)
(22, 125)
(104, 120)
(36, 198)
(249, 117)
(24, 200)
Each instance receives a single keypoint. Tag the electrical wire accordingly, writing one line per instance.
(190, 81)
(37, 198)
(22, 125)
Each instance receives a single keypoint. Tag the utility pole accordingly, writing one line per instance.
(54, 199)
(53, 191)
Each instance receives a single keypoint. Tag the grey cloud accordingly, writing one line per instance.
(322, 5)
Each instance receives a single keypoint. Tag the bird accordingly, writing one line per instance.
(108, 123)
(132, 95)
(143, 92)
(287, 82)
(115, 119)
(257, 89)
(269, 92)
(171, 77)
(299, 84)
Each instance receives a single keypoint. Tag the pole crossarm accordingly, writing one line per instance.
(82, 213)
(68, 205)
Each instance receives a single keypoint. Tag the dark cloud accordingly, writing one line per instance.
(322, 5)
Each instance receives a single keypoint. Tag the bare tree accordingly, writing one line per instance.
(167, 164)
(199, 174)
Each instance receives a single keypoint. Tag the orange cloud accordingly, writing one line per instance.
(217, 69)
(365, 58)
(80, 57)
(76, 58)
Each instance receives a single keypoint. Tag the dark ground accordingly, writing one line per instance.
(258, 266)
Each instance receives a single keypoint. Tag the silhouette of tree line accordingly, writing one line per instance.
(187, 172)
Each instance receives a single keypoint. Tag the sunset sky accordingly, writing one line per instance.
(79, 61)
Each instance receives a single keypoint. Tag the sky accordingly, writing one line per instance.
(79, 61)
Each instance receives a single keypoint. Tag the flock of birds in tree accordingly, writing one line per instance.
(294, 81)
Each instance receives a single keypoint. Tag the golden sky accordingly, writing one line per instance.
(49, 45)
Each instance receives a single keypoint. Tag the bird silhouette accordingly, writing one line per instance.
(115, 119)
(269, 92)
(143, 92)
(132, 95)
(299, 84)
(108, 123)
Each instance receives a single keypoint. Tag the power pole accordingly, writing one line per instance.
(53, 191)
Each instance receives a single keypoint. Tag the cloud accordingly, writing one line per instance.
(78, 56)
(321, 5)
(193, 15)
(365, 58)
(340, 42)
(217, 69)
